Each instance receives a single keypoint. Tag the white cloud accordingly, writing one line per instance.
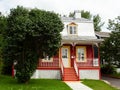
(107, 9)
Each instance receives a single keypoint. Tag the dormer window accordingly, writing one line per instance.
(72, 29)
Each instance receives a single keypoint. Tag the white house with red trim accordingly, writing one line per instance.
(78, 57)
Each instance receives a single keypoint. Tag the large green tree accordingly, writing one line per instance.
(31, 34)
(110, 49)
(96, 19)
(3, 24)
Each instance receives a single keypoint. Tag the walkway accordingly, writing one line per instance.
(113, 81)
(76, 85)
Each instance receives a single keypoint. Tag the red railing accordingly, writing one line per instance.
(87, 63)
(54, 63)
(62, 68)
(76, 68)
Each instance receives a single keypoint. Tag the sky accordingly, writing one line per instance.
(107, 9)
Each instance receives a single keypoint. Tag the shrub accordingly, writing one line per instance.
(108, 69)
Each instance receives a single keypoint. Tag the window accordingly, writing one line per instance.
(64, 53)
(72, 29)
(81, 53)
(47, 59)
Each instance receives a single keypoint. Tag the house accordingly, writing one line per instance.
(102, 35)
(78, 57)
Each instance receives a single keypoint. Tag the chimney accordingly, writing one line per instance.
(77, 14)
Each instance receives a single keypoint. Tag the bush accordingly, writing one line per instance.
(108, 69)
(7, 60)
(25, 68)
(0, 66)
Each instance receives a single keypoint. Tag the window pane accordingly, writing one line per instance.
(74, 29)
(70, 29)
(47, 58)
(64, 53)
(81, 54)
(95, 51)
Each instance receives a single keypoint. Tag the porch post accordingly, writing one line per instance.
(99, 61)
(73, 53)
(59, 56)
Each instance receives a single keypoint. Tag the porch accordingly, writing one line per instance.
(84, 55)
(67, 63)
(56, 64)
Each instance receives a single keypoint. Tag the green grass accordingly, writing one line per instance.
(8, 83)
(98, 85)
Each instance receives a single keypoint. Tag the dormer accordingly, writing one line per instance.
(72, 29)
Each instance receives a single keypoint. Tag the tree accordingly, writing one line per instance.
(31, 34)
(3, 24)
(110, 49)
(71, 14)
(96, 19)
(97, 23)
(86, 14)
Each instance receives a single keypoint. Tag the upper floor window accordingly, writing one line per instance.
(72, 28)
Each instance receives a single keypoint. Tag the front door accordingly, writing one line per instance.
(65, 53)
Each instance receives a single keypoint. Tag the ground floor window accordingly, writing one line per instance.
(81, 53)
(47, 59)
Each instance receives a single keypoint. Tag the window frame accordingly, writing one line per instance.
(73, 25)
(49, 60)
(85, 53)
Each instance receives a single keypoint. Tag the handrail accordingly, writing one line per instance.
(62, 67)
(76, 68)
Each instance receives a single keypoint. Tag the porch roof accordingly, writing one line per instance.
(81, 39)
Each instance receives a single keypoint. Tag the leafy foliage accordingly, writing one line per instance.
(96, 19)
(97, 23)
(30, 35)
(110, 49)
(108, 69)
(71, 14)
(86, 14)
(3, 24)
(47, 27)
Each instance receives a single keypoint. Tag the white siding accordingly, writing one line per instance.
(89, 74)
(64, 32)
(47, 74)
(84, 29)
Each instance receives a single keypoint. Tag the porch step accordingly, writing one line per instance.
(70, 75)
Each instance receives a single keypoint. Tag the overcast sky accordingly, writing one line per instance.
(107, 9)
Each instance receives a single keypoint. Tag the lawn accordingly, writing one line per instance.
(8, 83)
(98, 85)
